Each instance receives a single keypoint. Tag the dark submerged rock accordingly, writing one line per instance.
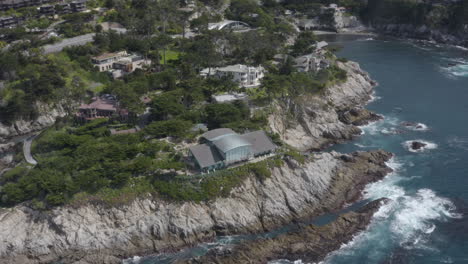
(416, 145)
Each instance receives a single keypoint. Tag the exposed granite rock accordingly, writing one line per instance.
(313, 122)
(308, 243)
(7, 153)
(423, 32)
(47, 116)
(96, 233)
(359, 117)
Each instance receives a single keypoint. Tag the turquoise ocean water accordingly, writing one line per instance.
(427, 220)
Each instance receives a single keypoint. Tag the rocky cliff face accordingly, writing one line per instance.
(96, 234)
(310, 243)
(423, 32)
(47, 116)
(315, 121)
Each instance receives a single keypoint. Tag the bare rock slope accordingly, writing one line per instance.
(98, 234)
(46, 117)
(95, 234)
(308, 243)
(316, 121)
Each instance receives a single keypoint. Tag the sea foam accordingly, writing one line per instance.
(417, 127)
(407, 220)
(428, 145)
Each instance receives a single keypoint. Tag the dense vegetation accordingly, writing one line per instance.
(85, 159)
(84, 162)
(452, 15)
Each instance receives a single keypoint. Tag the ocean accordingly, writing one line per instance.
(423, 95)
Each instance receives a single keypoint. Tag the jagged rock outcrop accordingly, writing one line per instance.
(97, 234)
(313, 121)
(309, 243)
(423, 32)
(46, 117)
(7, 153)
(359, 117)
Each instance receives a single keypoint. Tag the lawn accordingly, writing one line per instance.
(170, 55)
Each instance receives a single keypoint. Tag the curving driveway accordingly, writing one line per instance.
(27, 150)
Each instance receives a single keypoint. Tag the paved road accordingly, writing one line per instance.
(27, 150)
(76, 41)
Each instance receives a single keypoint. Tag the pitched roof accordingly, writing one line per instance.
(260, 141)
(217, 133)
(101, 103)
(205, 155)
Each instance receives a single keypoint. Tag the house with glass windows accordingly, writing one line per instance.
(223, 147)
(245, 76)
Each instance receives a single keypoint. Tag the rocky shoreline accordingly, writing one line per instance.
(316, 122)
(98, 234)
(407, 31)
(308, 243)
(84, 235)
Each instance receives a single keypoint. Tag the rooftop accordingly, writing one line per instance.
(260, 141)
(205, 155)
(230, 142)
(222, 24)
(234, 68)
(215, 134)
(106, 56)
(108, 103)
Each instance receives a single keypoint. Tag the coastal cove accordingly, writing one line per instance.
(234, 131)
(422, 94)
(296, 189)
(427, 207)
(418, 83)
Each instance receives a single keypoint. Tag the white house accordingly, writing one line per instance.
(245, 76)
(228, 25)
(105, 62)
(119, 63)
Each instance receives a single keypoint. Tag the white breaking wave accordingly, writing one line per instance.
(285, 261)
(460, 69)
(134, 260)
(363, 146)
(408, 220)
(428, 145)
(460, 47)
(415, 216)
(417, 127)
(374, 97)
(382, 126)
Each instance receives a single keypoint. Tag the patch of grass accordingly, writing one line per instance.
(170, 55)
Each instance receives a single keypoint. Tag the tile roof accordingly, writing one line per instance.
(101, 104)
